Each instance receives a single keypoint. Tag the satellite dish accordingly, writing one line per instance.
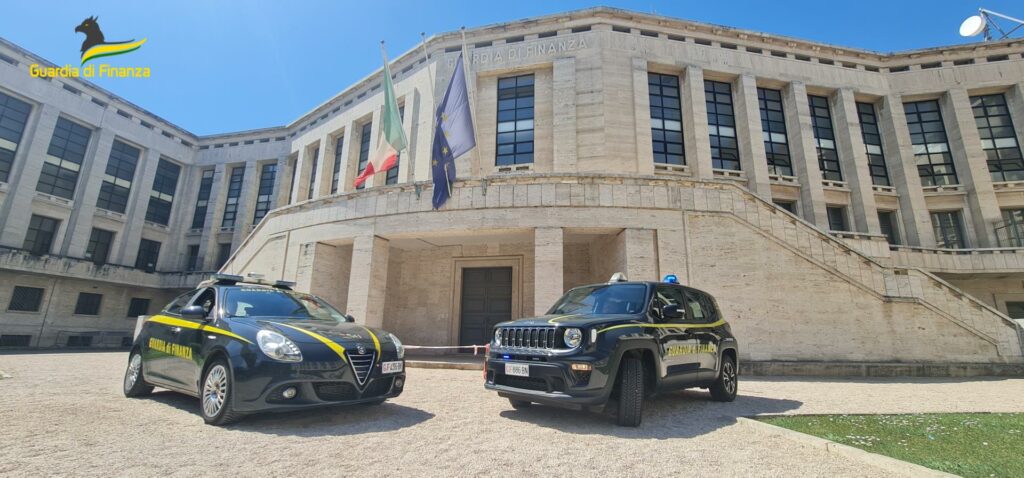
(973, 26)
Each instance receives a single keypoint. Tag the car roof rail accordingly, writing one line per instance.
(284, 284)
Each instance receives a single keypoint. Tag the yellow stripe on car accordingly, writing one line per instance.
(188, 324)
(666, 326)
(376, 343)
(338, 349)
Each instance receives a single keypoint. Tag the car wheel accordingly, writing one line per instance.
(134, 384)
(725, 387)
(215, 399)
(631, 393)
(519, 404)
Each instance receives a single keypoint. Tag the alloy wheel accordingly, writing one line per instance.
(215, 390)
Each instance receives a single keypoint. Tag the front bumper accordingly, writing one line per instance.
(551, 381)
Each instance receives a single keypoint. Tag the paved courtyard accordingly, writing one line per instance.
(63, 414)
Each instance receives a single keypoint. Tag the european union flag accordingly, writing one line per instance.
(453, 134)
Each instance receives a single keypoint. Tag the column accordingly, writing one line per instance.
(246, 203)
(564, 106)
(368, 280)
(696, 143)
(547, 267)
(642, 113)
(282, 176)
(90, 179)
(804, 154)
(323, 167)
(28, 163)
(971, 165)
(214, 213)
(750, 137)
(302, 169)
(135, 214)
(323, 270)
(899, 159)
(853, 160)
(641, 260)
(179, 224)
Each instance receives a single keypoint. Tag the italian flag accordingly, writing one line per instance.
(392, 138)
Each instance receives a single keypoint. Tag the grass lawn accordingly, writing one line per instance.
(967, 444)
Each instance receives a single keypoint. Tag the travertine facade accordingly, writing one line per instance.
(607, 141)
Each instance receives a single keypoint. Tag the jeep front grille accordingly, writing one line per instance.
(362, 364)
(530, 337)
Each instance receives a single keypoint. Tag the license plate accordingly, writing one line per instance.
(391, 367)
(517, 369)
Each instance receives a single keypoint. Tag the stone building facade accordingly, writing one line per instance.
(841, 204)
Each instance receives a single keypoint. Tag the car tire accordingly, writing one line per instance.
(215, 394)
(519, 404)
(134, 384)
(631, 393)
(727, 384)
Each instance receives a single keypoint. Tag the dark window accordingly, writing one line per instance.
(117, 183)
(203, 200)
(63, 160)
(364, 150)
(88, 304)
(192, 263)
(234, 192)
(138, 306)
(836, 218)
(699, 307)
(339, 146)
(79, 341)
(887, 222)
(39, 239)
(721, 125)
(312, 174)
(162, 196)
(180, 301)
(25, 299)
(602, 299)
(949, 230)
(666, 119)
(824, 138)
(515, 120)
(223, 254)
(1011, 232)
(127, 341)
(931, 148)
(98, 250)
(149, 252)
(264, 196)
(773, 127)
(7, 340)
(392, 174)
(998, 138)
(873, 144)
(13, 116)
(669, 295)
(787, 205)
(1013, 309)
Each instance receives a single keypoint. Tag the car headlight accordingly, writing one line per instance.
(573, 337)
(398, 345)
(497, 337)
(278, 347)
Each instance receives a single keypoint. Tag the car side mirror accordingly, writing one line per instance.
(349, 318)
(671, 312)
(196, 312)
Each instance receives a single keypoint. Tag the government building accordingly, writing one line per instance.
(842, 205)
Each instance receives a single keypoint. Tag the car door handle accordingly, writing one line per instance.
(175, 330)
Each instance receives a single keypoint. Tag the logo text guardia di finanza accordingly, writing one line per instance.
(96, 46)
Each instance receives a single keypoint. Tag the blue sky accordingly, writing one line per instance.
(221, 66)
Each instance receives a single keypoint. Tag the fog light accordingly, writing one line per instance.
(289, 392)
(399, 382)
(582, 367)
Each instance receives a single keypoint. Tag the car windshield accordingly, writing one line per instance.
(277, 303)
(602, 299)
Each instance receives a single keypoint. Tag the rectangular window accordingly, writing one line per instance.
(88, 304)
(264, 196)
(836, 218)
(192, 262)
(13, 116)
(824, 138)
(8, 340)
(161, 198)
(873, 144)
(364, 150)
(931, 148)
(787, 205)
(998, 138)
(203, 200)
(773, 127)
(234, 193)
(887, 222)
(1013, 309)
(79, 341)
(149, 252)
(1011, 232)
(25, 299)
(117, 182)
(312, 174)
(63, 160)
(339, 146)
(666, 119)
(515, 120)
(98, 250)
(949, 230)
(138, 306)
(223, 254)
(392, 174)
(721, 125)
(41, 230)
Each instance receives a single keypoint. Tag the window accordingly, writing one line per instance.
(180, 301)
(41, 230)
(264, 196)
(339, 146)
(931, 148)
(234, 192)
(149, 252)
(63, 160)
(312, 174)
(824, 138)
(13, 116)
(98, 250)
(7, 340)
(515, 120)
(602, 299)
(721, 125)
(203, 200)
(117, 183)
(192, 263)
(79, 341)
(699, 308)
(1013, 309)
(162, 196)
(392, 174)
(25, 299)
(836, 218)
(138, 306)
(787, 205)
(364, 150)
(887, 222)
(1011, 232)
(666, 119)
(669, 295)
(207, 300)
(998, 138)
(88, 304)
(873, 144)
(223, 254)
(949, 230)
(773, 127)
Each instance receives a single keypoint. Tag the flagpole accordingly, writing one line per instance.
(470, 89)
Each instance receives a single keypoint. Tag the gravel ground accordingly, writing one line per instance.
(63, 414)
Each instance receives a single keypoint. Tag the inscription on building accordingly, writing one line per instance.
(510, 53)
